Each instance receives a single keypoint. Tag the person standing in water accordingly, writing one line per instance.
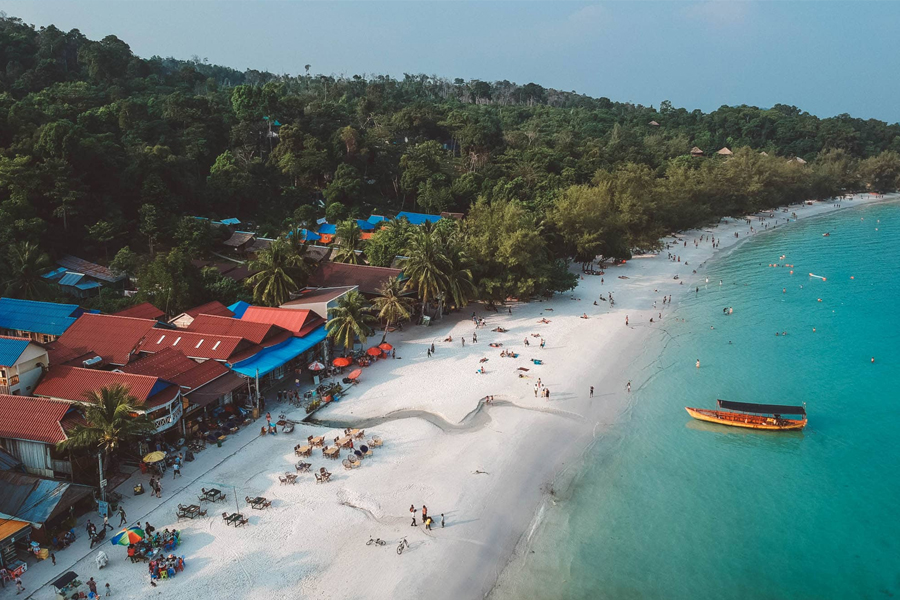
(698, 363)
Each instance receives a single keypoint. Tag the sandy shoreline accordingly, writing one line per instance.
(487, 468)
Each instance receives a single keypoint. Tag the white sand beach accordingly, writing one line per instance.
(487, 469)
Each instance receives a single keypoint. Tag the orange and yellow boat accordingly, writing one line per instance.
(752, 416)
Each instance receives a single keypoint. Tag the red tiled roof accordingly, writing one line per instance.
(199, 345)
(369, 279)
(144, 310)
(297, 321)
(172, 365)
(210, 308)
(112, 337)
(73, 383)
(258, 333)
(33, 419)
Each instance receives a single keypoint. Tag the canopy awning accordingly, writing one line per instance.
(271, 358)
(762, 409)
(215, 389)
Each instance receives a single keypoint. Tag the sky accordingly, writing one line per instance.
(826, 57)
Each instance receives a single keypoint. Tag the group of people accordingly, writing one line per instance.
(169, 565)
(427, 520)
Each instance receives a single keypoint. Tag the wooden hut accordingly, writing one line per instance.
(724, 152)
(695, 151)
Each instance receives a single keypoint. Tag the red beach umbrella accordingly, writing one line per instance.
(374, 351)
(354, 374)
(385, 346)
(342, 361)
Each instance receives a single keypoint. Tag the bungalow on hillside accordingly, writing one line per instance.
(41, 321)
(161, 399)
(240, 241)
(31, 427)
(724, 151)
(318, 300)
(215, 307)
(22, 362)
(696, 152)
(81, 278)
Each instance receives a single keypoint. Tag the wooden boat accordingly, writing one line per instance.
(752, 416)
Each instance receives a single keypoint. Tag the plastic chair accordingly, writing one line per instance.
(171, 572)
(163, 574)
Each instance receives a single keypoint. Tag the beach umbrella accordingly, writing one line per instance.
(129, 535)
(154, 457)
(355, 374)
(342, 361)
(316, 366)
(385, 346)
(374, 351)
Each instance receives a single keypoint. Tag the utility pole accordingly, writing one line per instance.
(257, 389)
(102, 487)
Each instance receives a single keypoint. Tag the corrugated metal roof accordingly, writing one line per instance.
(112, 337)
(199, 345)
(368, 279)
(172, 365)
(418, 218)
(215, 390)
(376, 219)
(55, 273)
(71, 278)
(144, 310)
(238, 308)
(298, 321)
(87, 285)
(231, 221)
(318, 295)
(327, 229)
(48, 318)
(36, 500)
(11, 349)
(258, 333)
(90, 269)
(238, 238)
(74, 383)
(35, 419)
(271, 358)
(210, 308)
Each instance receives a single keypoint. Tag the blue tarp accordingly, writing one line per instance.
(11, 350)
(418, 218)
(239, 308)
(271, 358)
(40, 317)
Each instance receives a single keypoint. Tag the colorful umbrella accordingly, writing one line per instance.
(131, 535)
(374, 351)
(154, 457)
(316, 366)
(354, 374)
(342, 361)
(385, 346)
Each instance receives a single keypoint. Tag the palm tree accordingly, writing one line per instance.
(425, 266)
(280, 271)
(26, 263)
(109, 422)
(459, 287)
(349, 237)
(350, 319)
(391, 304)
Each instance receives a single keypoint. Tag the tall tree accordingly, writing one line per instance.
(350, 320)
(26, 265)
(279, 271)
(425, 266)
(349, 238)
(392, 304)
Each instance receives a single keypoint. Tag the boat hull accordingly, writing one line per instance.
(733, 419)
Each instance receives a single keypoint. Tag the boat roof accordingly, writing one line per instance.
(762, 409)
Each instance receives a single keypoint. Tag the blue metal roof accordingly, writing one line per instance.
(87, 285)
(271, 358)
(71, 278)
(327, 229)
(40, 317)
(55, 273)
(376, 219)
(418, 218)
(308, 235)
(11, 350)
(365, 225)
(239, 308)
(230, 221)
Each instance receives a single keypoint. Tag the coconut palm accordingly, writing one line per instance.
(425, 266)
(109, 422)
(391, 304)
(459, 287)
(350, 319)
(349, 237)
(280, 271)
(26, 263)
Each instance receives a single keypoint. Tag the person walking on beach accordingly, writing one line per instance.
(432, 347)
(463, 340)
(442, 520)
(428, 351)
(412, 509)
(626, 320)
(547, 394)
(122, 520)
(526, 341)
(628, 387)
(106, 523)
(474, 338)
(424, 513)
(536, 386)
(592, 392)
(539, 382)
(543, 343)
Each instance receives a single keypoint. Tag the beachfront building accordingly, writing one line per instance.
(41, 321)
(366, 278)
(215, 307)
(81, 278)
(97, 341)
(22, 362)
(318, 300)
(31, 427)
(161, 398)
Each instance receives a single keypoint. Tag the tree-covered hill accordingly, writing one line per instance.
(100, 149)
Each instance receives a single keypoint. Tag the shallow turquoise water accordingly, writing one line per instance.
(672, 508)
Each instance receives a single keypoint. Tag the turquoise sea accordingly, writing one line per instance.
(671, 508)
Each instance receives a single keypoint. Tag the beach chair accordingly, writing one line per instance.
(376, 441)
(303, 467)
(282, 479)
(347, 465)
(319, 478)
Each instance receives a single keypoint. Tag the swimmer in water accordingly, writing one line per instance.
(698, 363)
(873, 360)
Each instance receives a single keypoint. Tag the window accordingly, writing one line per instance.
(175, 343)
(161, 338)
(216, 347)
(198, 344)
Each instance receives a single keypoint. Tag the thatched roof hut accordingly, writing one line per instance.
(799, 160)
(763, 153)
(695, 151)
(653, 124)
(724, 152)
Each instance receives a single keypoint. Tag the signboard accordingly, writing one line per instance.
(103, 483)
(103, 508)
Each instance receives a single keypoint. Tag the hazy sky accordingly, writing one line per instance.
(825, 57)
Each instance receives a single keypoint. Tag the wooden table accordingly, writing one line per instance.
(257, 502)
(234, 518)
(318, 441)
(291, 477)
(303, 451)
(214, 495)
(303, 467)
(344, 441)
(355, 433)
(332, 452)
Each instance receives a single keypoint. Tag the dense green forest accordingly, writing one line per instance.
(102, 150)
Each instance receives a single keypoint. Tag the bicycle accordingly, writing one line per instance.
(376, 541)
(403, 544)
